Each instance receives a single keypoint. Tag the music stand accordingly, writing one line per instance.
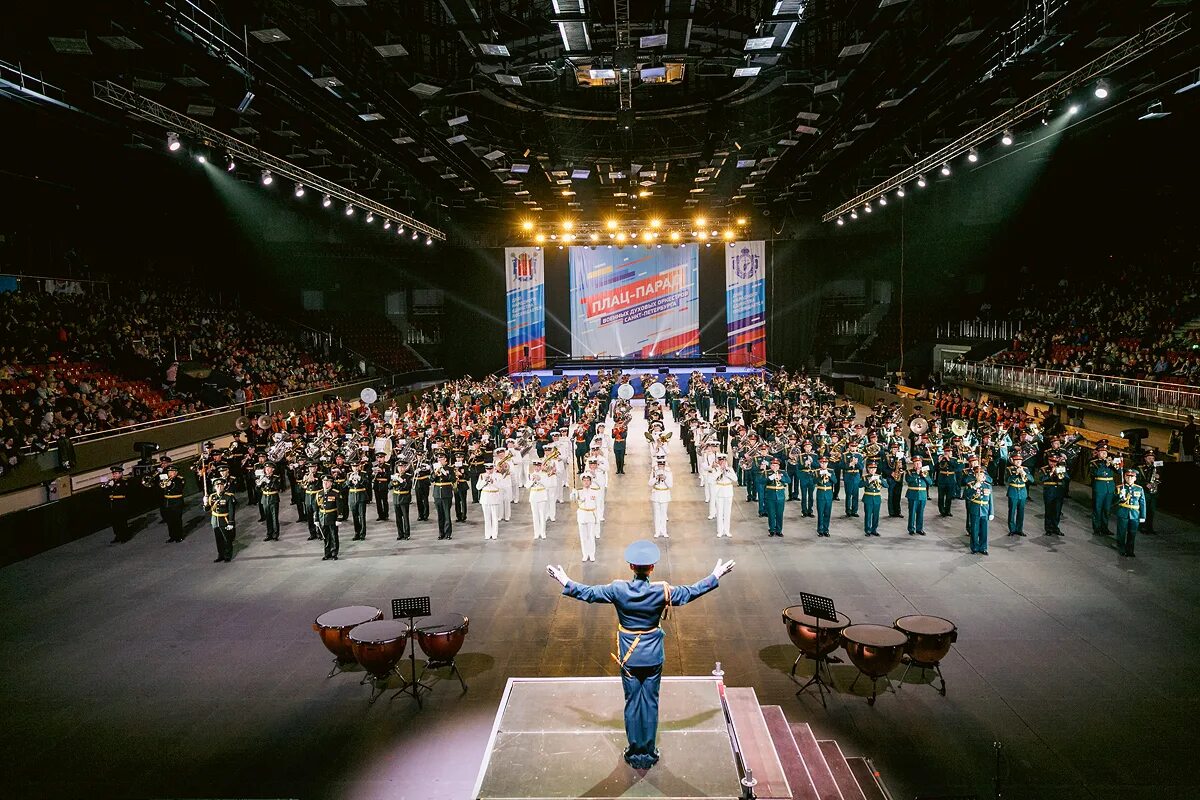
(819, 608)
(411, 607)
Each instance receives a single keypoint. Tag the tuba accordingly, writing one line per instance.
(958, 427)
(918, 425)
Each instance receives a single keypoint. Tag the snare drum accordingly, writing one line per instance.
(441, 637)
(379, 645)
(334, 628)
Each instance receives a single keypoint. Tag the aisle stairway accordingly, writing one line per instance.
(789, 762)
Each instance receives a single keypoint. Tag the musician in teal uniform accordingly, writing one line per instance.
(852, 470)
(775, 494)
(640, 605)
(807, 468)
(872, 499)
(917, 483)
(825, 484)
(1016, 480)
(1103, 473)
(979, 508)
(1054, 478)
(1130, 511)
(949, 468)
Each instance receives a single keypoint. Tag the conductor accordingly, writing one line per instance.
(641, 605)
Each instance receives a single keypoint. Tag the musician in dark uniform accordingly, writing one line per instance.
(118, 503)
(1149, 478)
(252, 465)
(400, 488)
(295, 475)
(312, 487)
(328, 500)
(619, 434)
(221, 504)
(421, 484)
(269, 486)
(380, 477)
(462, 486)
(640, 606)
(172, 504)
(444, 480)
(1055, 479)
(358, 485)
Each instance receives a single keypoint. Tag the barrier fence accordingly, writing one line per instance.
(1168, 400)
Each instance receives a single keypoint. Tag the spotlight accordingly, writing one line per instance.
(973, 155)
(568, 237)
(415, 235)
(299, 190)
(701, 222)
(883, 199)
(349, 209)
(674, 236)
(634, 235)
(1045, 118)
(540, 238)
(867, 207)
(611, 224)
(229, 165)
(370, 217)
(702, 235)
(658, 246)
(841, 221)
(620, 237)
(708, 244)
(595, 237)
(655, 223)
(387, 223)
(920, 181)
(741, 220)
(428, 240)
(945, 169)
(900, 192)
(612, 235)
(1006, 138)
(728, 234)
(266, 177)
(553, 236)
(173, 142)
(527, 225)
(399, 229)
(1073, 110)
(326, 201)
(202, 159)
(568, 224)
(1101, 91)
(853, 215)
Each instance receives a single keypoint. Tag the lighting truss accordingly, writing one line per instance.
(581, 230)
(1154, 36)
(146, 109)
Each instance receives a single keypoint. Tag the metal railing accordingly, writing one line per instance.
(993, 330)
(1166, 400)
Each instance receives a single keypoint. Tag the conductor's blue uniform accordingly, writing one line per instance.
(640, 607)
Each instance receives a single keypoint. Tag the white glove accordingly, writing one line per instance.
(991, 517)
(722, 568)
(1141, 520)
(228, 527)
(557, 573)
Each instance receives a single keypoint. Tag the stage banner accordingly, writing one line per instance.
(525, 283)
(636, 302)
(746, 304)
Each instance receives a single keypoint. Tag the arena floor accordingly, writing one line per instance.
(145, 670)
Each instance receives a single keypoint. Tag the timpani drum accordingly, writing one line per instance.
(875, 649)
(814, 637)
(929, 640)
(379, 646)
(440, 639)
(334, 629)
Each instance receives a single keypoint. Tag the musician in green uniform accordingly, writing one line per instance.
(775, 497)
(1130, 511)
(1102, 471)
(327, 517)
(221, 504)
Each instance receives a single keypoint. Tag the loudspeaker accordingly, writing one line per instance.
(664, 370)
(557, 372)
(720, 369)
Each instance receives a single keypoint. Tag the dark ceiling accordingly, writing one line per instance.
(376, 93)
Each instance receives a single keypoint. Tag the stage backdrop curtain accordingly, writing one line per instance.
(525, 285)
(746, 303)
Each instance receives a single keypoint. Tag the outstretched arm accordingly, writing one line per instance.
(580, 591)
(681, 595)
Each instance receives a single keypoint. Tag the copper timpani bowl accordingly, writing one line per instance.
(441, 637)
(379, 645)
(929, 638)
(334, 628)
(875, 649)
(803, 631)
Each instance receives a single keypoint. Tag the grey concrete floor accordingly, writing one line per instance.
(144, 670)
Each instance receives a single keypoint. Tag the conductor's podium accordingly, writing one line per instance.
(564, 738)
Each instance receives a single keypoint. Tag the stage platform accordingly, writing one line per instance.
(682, 373)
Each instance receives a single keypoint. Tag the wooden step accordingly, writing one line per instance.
(758, 750)
(789, 755)
(846, 781)
(868, 781)
(814, 760)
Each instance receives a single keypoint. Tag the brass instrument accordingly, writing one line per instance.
(279, 450)
(242, 423)
(919, 425)
(263, 423)
(959, 427)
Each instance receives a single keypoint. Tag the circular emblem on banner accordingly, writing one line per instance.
(524, 267)
(745, 264)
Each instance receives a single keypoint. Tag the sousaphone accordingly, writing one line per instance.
(959, 427)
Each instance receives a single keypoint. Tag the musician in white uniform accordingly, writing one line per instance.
(553, 482)
(504, 478)
(490, 500)
(539, 496)
(723, 481)
(707, 466)
(585, 498)
(599, 485)
(660, 484)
